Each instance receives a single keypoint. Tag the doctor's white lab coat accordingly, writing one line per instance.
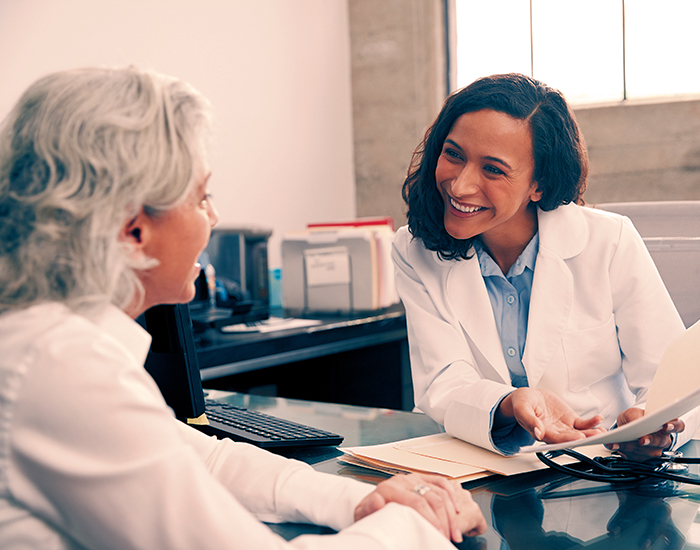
(600, 319)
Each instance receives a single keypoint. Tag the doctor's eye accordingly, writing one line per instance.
(493, 170)
(452, 154)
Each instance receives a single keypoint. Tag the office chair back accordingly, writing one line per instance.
(660, 218)
(671, 232)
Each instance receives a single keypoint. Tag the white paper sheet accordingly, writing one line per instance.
(669, 395)
(678, 372)
(649, 423)
(327, 266)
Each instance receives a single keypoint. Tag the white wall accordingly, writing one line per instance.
(276, 71)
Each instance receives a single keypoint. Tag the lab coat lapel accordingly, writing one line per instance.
(550, 304)
(563, 234)
(466, 292)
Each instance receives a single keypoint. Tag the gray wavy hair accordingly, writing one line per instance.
(80, 154)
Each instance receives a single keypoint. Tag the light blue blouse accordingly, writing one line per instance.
(510, 301)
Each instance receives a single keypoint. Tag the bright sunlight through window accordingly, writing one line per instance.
(593, 50)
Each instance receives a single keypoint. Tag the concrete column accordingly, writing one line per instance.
(397, 50)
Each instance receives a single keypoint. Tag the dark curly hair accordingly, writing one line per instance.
(561, 160)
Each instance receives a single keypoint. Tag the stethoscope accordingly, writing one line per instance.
(671, 466)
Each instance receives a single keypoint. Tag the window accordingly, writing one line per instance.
(592, 50)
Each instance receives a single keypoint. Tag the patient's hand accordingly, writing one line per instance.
(648, 446)
(442, 502)
(546, 417)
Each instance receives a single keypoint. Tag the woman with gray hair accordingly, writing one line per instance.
(104, 210)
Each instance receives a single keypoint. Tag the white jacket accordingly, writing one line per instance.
(92, 457)
(600, 319)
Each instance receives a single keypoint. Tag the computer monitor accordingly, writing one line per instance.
(172, 360)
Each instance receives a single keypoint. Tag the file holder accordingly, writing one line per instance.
(329, 272)
(327, 279)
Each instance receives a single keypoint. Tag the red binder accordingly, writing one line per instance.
(359, 222)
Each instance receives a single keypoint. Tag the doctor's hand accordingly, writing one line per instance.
(648, 446)
(546, 417)
(442, 502)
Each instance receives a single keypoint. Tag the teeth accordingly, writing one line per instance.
(466, 209)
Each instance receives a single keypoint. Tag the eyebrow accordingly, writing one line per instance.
(503, 162)
(205, 181)
(493, 159)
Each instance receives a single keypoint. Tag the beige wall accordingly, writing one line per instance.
(277, 73)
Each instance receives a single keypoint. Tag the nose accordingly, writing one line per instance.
(466, 182)
(213, 213)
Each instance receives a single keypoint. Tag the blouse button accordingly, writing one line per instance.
(511, 352)
(510, 299)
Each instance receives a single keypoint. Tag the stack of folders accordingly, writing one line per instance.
(339, 266)
(444, 455)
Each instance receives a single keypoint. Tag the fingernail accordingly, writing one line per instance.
(538, 433)
(614, 446)
(670, 427)
(645, 441)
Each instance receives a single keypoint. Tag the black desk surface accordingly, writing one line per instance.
(539, 511)
(222, 354)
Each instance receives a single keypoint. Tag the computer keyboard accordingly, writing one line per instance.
(260, 429)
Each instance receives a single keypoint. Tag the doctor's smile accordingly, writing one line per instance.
(463, 209)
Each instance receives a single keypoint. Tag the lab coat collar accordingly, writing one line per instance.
(563, 231)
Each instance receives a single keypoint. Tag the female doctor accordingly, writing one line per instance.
(530, 316)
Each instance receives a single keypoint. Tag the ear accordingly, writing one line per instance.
(136, 232)
(536, 193)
